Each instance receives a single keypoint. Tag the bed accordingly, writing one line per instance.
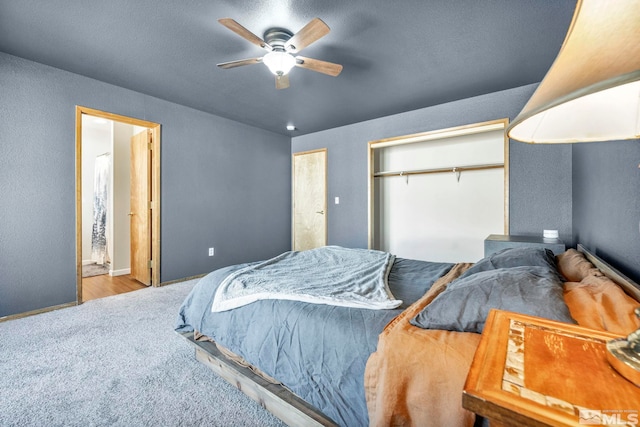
(314, 363)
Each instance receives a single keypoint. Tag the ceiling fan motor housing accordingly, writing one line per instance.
(277, 37)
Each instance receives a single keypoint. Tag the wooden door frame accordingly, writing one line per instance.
(155, 189)
(293, 189)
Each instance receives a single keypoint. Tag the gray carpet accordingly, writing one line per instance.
(115, 361)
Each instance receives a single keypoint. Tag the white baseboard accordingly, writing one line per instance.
(121, 272)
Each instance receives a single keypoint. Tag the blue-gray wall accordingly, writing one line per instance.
(589, 192)
(540, 176)
(606, 202)
(228, 185)
(224, 184)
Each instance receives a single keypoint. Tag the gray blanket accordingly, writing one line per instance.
(329, 275)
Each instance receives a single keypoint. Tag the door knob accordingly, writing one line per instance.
(130, 214)
(320, 212)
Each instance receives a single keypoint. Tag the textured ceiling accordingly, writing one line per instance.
(397, 56)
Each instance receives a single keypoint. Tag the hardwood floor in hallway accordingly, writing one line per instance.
(104, 285)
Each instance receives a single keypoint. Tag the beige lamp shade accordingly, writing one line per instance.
(592, 90)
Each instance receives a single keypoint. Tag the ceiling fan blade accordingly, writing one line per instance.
(307, 35)
(320, 66)
(239, 63)
(244, 33)
(282, 82)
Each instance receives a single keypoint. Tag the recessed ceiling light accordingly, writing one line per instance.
(291, 127)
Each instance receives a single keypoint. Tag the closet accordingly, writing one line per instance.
(437, 195)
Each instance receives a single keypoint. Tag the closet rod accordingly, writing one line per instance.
(438, 170)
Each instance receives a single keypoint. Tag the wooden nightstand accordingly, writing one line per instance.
(530, 371)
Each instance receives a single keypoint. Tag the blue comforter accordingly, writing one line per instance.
(318, 351)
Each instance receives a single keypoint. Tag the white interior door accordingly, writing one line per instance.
(309, 200)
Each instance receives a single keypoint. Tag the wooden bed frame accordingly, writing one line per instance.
(294, 411)
(275, 398)
(629, 286)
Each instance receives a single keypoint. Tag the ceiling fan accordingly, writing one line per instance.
(281, 45)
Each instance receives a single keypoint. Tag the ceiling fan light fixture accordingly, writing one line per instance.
(282, 44)
(279, 62)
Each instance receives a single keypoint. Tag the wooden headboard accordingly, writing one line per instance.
(629, 286)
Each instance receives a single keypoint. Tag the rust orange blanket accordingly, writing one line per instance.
(416, 376)
(414, 386)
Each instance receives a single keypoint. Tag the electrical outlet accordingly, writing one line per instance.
(211, 252)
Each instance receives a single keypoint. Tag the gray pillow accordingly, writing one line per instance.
(466, 302)
(515, 257)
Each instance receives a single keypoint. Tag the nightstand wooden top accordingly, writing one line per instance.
(530, 371)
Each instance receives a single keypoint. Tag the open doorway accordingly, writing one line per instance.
(117, 203)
